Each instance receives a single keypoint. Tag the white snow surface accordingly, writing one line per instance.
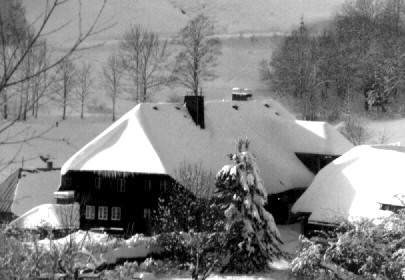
(57, 216)
(354, 185)
(157, 138)
(34, 189)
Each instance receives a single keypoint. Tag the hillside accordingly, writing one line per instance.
(167, 16)
(238, 22)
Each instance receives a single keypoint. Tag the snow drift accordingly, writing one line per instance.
(56, 216)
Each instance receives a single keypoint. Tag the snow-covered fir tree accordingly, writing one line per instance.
(252, 238)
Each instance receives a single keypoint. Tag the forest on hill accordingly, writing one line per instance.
(359, 57)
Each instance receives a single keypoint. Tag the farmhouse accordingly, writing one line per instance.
(118, 177)
(365, 182)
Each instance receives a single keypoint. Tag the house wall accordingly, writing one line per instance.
(136, 195)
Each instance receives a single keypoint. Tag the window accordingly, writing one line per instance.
(146, 213)
(121, 185)
(116, 213)
(97, 182)
(148, 185)
(90, 212)
(163, 186)
(66, 182)
(103, 213)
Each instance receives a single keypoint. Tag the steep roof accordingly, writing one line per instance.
(7, 190)
(354, 184)
(35, 189)
(158, 138)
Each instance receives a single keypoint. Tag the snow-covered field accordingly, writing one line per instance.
(245, 26)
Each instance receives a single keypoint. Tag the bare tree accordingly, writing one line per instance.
(31, 90)
(15, 47)
(85, 81)
(143, 58)
(66, 76)
(130, 50)
(198, 54)
(111, 78)
(40, 83)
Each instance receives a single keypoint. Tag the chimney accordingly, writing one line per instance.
(195, 106)
(241, 94)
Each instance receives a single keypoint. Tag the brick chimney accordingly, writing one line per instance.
(195, 106)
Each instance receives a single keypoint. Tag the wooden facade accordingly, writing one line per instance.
(115, 201)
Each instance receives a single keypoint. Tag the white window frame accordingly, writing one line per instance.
(102, 213)
(116, 213)
(147, 213)
(163, 185)
(121, 185)
(97, 182)
(90, 212)
(148, 185)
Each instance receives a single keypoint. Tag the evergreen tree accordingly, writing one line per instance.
(252, 238)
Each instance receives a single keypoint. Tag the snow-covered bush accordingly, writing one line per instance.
(23, 256)
(252, 238)
(374, 249)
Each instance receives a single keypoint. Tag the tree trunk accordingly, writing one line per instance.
(113, 112)
(64, 104)
(5, 103)
(25, 104)
(82, 111)
(20, 106)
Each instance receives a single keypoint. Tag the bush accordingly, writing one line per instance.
(356, 131)
(198, 253)
(374, 249)
(188, 205)
(23, 257)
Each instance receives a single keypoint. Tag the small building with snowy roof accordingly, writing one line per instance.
(363, 183)
(118, 176)
(35, 187)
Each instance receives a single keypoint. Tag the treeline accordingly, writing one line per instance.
(360, 55)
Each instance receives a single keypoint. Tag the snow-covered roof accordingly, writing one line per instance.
(57, 216)
(35, 189)
(157, 138)
(355, 184)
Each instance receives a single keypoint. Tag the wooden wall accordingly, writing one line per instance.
(135, 194)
